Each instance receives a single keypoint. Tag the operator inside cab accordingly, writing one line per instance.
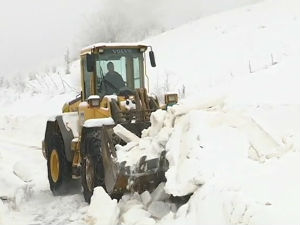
(119, 71)
(112, 81)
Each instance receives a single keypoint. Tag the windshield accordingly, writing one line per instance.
(118, 68)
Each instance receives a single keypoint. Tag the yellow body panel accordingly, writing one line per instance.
(71, 106)
(88, 112)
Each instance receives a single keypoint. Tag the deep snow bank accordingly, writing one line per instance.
(225, 158)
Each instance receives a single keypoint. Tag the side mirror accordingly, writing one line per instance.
(152, 58)
(90, 62)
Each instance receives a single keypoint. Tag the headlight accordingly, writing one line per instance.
(143, 49)
(172, 98)
(94, 101)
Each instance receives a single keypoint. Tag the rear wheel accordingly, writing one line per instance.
(92, 170)
(59, 169)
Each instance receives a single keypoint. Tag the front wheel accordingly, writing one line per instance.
(92, 171)
(59, 169)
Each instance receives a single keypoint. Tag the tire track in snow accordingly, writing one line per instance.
(37, 205)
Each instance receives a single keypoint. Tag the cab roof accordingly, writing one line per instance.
(94, 47)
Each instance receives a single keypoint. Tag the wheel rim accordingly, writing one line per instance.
(54, 165)
(89, 174)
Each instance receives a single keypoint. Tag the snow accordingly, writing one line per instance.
(219, 48)
(113, 45)
(159, 193)
(158, 209)
(208, 152)
(125, 134)
(24, 111)
(98, 122)
(102, 210)
(146, 198)
(93, 97)
(3, 211)
(150, 145)
(217, 203)
(22, 171)
(71, 122)
(110, 97)
(232, 142)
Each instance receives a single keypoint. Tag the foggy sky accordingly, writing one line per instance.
(36, 33)
(33, 32)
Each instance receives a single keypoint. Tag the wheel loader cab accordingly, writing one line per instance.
(98, 77)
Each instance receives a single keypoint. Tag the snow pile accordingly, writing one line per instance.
(145, 208)
(222, 156)
(152, 142)
(12, 188)
(3, 211)
(98, 122)
(103, 210)
(19, 179)
(164, 134)
(247, 195)
(22, 171)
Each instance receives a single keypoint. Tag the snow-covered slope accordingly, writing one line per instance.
(232, 142)
(27, 102)
(219, 50)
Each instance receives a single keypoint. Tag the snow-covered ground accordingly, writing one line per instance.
(232, 142)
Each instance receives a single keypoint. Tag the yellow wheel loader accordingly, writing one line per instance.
(80, 142)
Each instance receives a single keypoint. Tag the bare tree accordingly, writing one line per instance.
(67, 61)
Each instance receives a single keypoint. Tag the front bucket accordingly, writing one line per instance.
(119, 178)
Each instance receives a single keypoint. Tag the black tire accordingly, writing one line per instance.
(58, 182)
(92, 170)
(153, 104)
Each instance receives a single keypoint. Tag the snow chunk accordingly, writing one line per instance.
(127, 203)
(159, 194)
(133, 211)
(110, 97)
(98, 122)
(125, 134)
(102, 210)
(52, 118)
(9, 185)
(133, 151)
(146, 198)
(3, 212)
(157, 120)
(135, 215)
(92, 97)
(159, 209)
(22, 171)
(146, 221)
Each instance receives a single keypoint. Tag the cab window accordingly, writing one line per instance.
(87, 78)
